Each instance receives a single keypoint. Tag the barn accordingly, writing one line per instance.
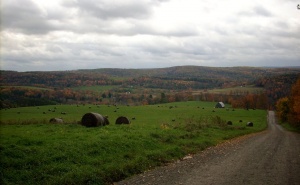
(220, 105)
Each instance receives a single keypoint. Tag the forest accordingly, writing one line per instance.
(147, 86)
(288, 107)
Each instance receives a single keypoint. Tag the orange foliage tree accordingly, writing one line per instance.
(288, 109)
(294, 116)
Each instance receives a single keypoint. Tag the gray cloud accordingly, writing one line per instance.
(25, 17)
(111, 10)
(36, 35)
(256, 11)
(259, 10)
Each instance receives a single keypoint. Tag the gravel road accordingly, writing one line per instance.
(268, 157)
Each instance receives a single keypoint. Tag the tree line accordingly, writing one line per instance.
(159, 86)
(288, 108)
(24, 96)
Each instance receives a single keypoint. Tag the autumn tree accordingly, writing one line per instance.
(294, 116)
(288, 109)
(163, 98)
(283, 109)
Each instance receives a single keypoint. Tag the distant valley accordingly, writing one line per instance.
(142, 86)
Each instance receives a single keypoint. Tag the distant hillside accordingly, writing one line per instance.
(145, 86)
(216, 76)
(185, 72)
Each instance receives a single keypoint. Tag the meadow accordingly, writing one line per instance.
(34, 151)
(234, 90)
(96, 88)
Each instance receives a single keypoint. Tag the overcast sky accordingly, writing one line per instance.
(38, 35)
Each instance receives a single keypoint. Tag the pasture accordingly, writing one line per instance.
(98, 88)
(34, 151)
(234, 90)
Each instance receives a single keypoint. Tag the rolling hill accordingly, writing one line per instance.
(150, 86)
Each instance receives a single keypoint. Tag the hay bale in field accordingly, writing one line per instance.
(106, 121)
(229, 122)
(249, 124)
(93, 120)
(220, 105)
(122, 120)
(56, 120)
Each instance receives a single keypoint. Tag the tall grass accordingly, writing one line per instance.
(37, 152)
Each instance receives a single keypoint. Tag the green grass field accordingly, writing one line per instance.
(33, 151)
(98, 88)
(250, 88)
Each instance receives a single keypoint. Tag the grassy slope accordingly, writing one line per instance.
(250, 89)
(98, 88)
(69, 153)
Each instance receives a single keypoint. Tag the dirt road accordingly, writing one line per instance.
(269, 157)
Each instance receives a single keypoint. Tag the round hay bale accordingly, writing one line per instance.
(249, 124)
(122, 120)
(229, 122)
(56, 120)
(106, 122)
(92, 120)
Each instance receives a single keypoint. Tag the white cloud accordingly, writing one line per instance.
(73, 34)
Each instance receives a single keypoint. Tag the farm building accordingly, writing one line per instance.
(220, 105)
